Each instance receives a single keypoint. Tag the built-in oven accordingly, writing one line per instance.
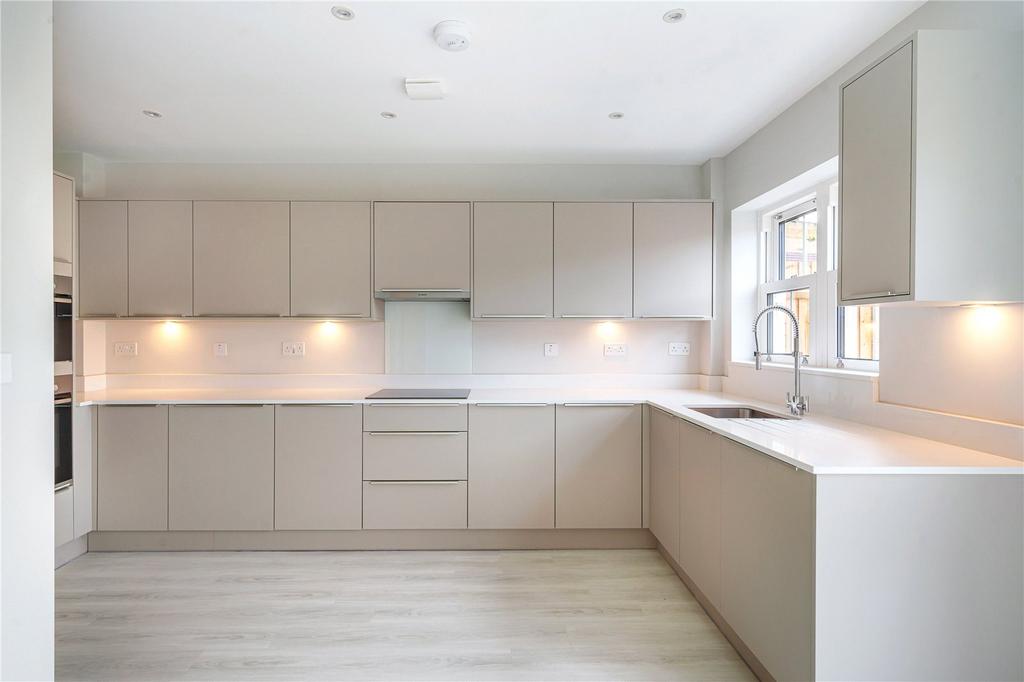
(62, 320)
(63, 475)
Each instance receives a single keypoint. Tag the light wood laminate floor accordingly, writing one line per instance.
(509, 615)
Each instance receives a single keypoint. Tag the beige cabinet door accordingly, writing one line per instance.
(672, 259)
(700, 509)
(513, 267)
(63, 218)
(593, 260)
(221, 467)
(768, 559)
(83, 465)
(63, 516)
(103, 258)
(598, 466)
(512, 466)
(875, 181)
(421, 245)
(665, 480)
(318, 467)
(330, 259)
(160, 258)
(131, 460)
(414, 505)
(241, 258)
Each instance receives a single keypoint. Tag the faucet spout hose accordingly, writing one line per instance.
(796, 344)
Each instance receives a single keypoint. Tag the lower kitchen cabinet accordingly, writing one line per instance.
(767, 566)
(63, 516)
(598, 466)
(131, 467)
(221, 467)
(414, 505)
(665, 489)
(318, 467)
(512, 466)
(700, 508)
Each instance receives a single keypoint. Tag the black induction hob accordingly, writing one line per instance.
(420, 394)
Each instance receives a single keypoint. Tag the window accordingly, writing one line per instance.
(791, 248)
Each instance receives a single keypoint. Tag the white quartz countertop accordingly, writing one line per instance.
(817, 444)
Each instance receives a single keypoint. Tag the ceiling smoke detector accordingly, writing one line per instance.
(452, 36)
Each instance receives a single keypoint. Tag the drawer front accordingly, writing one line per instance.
(388, 417)
(414, 505)
(414, 456)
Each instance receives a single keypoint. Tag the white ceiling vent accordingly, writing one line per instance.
(452, 36)
(424, 88)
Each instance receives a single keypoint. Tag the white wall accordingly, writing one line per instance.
(26, 333)
(402, 181)
(804, 137)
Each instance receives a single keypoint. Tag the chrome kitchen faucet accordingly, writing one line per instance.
(797, 403)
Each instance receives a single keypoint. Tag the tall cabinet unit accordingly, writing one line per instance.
(513, 267)
(673, 259)
(160, 258)
(241, 258)
(330, 259)
(593, 260)
(930, 179)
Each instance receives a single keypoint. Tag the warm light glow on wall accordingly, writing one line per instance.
(984, 320)
(607, 330)
(330, 329)
(170, 329)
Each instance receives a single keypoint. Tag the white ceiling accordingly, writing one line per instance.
(285, 82)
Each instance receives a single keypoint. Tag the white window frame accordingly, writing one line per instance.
(823, 346)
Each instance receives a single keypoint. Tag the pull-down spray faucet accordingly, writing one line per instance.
(796, 403)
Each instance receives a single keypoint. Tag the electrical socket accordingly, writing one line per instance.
(614, 349)
(126, 348)
(550, 350)
(293, 348)
(678, 348)
(220, 349)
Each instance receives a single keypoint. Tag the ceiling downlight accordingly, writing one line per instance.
(673, 16)
(616, 115)
(388, 114)
(343, 13)
(150, 113)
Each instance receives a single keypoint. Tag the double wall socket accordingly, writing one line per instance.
(126, 348)
(614, 349)
(293, 349)
(678, 348)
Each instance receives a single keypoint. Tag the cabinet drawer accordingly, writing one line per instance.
(414, 504)
(414, 456)
(387, 417)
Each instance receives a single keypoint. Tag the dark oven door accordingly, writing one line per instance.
(62, 323)
(62, 474)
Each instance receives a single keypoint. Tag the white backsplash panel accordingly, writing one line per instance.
(428, 337)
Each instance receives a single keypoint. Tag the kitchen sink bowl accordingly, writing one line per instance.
(738, 412)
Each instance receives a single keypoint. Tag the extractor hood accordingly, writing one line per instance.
(422, 294)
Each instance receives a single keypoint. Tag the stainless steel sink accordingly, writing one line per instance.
(738, 412)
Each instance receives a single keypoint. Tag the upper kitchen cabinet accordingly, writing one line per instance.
(160, 258)
(103, 259)
(330, 259)
(241, 258)
(421, 247)
(672, 259)
(593, 260)
(63, 218)
(513, 263)
(930, 172)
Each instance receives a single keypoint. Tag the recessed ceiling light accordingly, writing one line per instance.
(616, 115)
(343, 13)
(151, 113)
(389, 114)
(674, 16)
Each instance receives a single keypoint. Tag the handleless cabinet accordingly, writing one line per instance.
(63, 516)
(767, 567)
(513, 268)
(160, 258)
(131, 458)
(593, 259)
(317, 467)
(103, 258)
(672, 259)
(421, 245)
(221, 470)
(63, 218)
(700, 508)
(665, 487)
(241, 258)
(330, 259)
(512, 466)
(598, 466)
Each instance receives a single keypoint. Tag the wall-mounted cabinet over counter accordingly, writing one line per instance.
(930, 179)
(330, 259)
(513, 266)
(673, 259)
(103, 258)
(159, 258)
(593, 260)
(421, 247)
